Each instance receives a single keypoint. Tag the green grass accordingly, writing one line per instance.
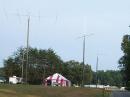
(40, 91)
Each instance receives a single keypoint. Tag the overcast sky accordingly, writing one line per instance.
(57, 24)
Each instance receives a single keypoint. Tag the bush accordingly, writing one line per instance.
(128, 85)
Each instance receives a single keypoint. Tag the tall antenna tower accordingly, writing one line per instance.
(27, 41)
(97, 71)
(27, 46)
(83, 60)
(27, 64)
(83, 68)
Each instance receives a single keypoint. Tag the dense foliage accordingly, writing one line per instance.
(73, 71)
(125, 60)
(1, 71)
(109, 77)
(43, 63)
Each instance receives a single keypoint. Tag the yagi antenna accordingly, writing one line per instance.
(18, 16)
(56, 19)
(28, 14)
(85, 35)
(39, 16)
(5, 13)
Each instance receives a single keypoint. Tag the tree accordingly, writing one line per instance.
(109, 77)
(88, 74)
(2, 72)
(125, 60)
(42, 63)
(11, 67)
(73, 71)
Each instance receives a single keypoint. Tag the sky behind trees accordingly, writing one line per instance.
(57, 24)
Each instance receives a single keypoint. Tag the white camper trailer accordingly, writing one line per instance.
(15, 80)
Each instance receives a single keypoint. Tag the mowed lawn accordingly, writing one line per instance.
(40, 91)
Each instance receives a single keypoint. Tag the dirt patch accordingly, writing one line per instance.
(30, 96)
(8, 91)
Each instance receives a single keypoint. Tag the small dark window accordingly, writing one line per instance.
(48, 82)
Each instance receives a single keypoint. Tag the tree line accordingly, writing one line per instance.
(124, 61)
(109, 77)
(43, 63)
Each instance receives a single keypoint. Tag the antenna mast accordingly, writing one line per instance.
(83, 69)
(27, 64)
(97, 72)
(83, 60)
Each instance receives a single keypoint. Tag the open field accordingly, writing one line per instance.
(40, 91)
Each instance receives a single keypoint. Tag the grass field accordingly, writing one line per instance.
(40, 91)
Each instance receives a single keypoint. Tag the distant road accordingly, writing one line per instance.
(120, 94)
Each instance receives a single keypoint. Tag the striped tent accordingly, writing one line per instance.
(57, 80)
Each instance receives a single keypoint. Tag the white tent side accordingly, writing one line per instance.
(57, 80)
